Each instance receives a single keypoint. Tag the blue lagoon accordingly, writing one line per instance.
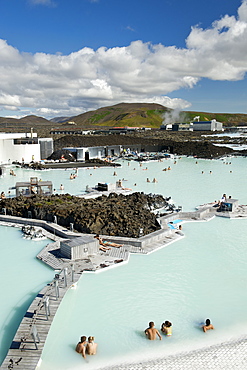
(202, 275)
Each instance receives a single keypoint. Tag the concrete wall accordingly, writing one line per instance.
(141, 242)
(95, 151)
(207, 126)
(46, 147)
(202, 126)
(82, 251)
(10, 152)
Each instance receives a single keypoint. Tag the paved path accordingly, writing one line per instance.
(227, 356)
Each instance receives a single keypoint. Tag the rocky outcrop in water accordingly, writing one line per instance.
(62, 154)
(121, 215)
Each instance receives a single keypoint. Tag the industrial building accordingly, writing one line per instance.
(212, 125)
(196, 125)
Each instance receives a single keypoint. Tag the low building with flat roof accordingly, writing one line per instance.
(80, 247)
(212, 125)
(24, 147)
(85, 153)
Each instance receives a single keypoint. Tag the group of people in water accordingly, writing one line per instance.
(166, 328)
(86, 347)
(89, 347)
(74, 175)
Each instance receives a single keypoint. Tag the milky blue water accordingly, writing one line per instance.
(22, 277)
(203, 275)
(185, 182)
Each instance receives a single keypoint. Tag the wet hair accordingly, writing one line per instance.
(83, 338)
(90, 339)
(151, 323)
(208, 322)
(168, 323)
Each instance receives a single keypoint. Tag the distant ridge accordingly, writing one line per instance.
(148, 115)
(61, 119)
(120, 115)
(28, 120)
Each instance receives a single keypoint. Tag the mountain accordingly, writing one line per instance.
(147, 115)
(119, 115)
(61, 119)
(28, 120)
(34, 120)
(123, 114)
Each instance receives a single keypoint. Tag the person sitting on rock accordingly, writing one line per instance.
(106, 243)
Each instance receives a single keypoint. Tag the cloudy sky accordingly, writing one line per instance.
(65, 57)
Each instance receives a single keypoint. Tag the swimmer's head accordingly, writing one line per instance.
(83, 338)
(168, 323)
(90, 339)
(208, 322)
(151, 324)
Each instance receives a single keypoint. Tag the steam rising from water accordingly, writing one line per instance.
(173, 116)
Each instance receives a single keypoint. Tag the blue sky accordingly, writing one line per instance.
(64, 57)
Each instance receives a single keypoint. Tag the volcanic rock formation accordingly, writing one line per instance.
(116, 214)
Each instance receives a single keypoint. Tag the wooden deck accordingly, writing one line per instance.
(24, 353)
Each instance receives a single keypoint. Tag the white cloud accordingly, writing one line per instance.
(141, 72)
(9, 108)
(242, 12)
(129, 28)
(50, 3)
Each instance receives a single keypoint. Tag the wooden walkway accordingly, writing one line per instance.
(28, 343)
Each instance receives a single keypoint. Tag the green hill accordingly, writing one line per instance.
(124, 114)
(147, 115)
(228, 119)
(119, 115)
